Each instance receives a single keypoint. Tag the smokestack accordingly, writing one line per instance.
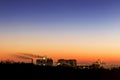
(32, 61)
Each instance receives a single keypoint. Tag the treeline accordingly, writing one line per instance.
(30, 71)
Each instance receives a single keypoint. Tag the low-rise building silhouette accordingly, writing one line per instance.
(44, 61)
(70, 62)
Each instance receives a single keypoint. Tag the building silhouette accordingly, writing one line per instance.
(70, 62)
(44, 61)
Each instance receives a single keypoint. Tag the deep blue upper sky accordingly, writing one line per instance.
(59, 15)
(58, 11)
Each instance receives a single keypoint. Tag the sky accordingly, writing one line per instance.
(85, 30)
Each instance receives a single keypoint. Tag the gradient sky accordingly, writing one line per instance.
(81, 29)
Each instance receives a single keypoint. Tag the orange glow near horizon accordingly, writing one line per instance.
(86, 55)
(83, 48)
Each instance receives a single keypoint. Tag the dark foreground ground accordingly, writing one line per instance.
(33, 72)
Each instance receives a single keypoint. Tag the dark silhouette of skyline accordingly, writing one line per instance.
(31, 71)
